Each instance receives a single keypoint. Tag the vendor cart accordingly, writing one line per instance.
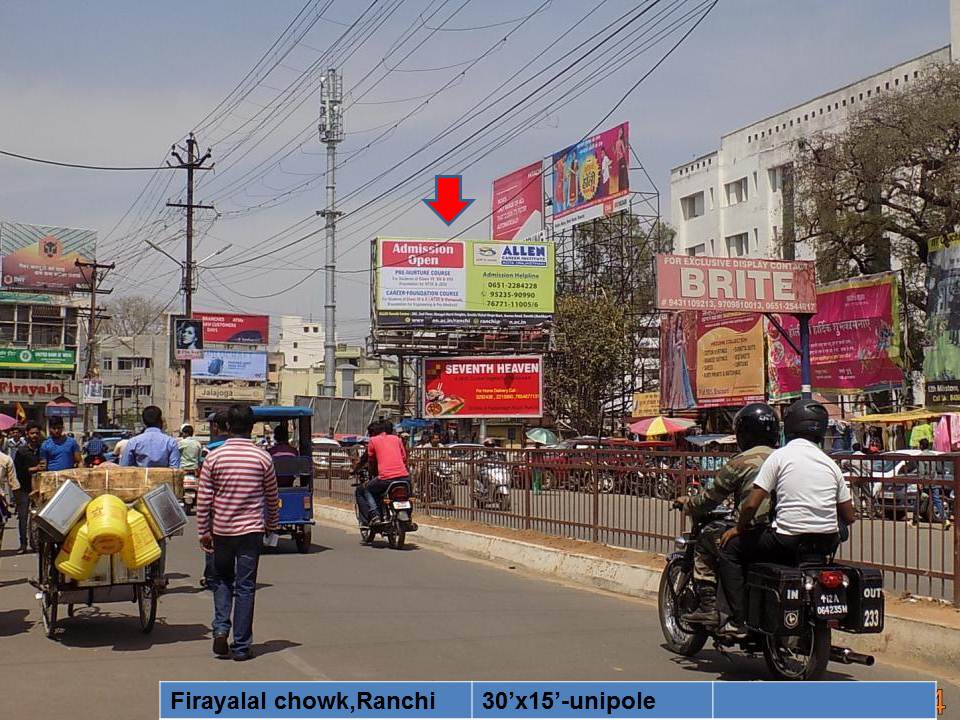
(111, 583)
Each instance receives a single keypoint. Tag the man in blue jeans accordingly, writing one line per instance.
(237, 501)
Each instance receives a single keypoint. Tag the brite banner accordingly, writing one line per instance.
(591, 179)
(854, 340)
(500, 387)
(518, 204)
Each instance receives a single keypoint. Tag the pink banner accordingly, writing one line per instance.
(854, 340)
(518, 204)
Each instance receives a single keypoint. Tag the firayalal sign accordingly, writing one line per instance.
(488, 386)
(31, 390)
(462, 283)
(698, 282)
(40, 359)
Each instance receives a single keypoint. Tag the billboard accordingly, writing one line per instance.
(591, 179)
(40, 359)
(462, 283)
(941, 358)
(686, 282)
(230, 365)
(646, 404)
(518, 204)
(38, 257)
(234, 328)
(187, 338)
(711, 359)
(854, 340)
(91, 391)
(476, 387)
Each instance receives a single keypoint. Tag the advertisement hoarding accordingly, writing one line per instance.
(941, 358)
(646, 404)
(686, 282)
(188, 338)
(518, 204)
(91, 391)
(462, 283)
(234, 328)
(230, 365)
(38, 257)
(711, 359)
(854, 340)
(591, 179)
(477, 387)
(40, 359)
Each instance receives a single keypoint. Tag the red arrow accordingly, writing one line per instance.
(448, 201)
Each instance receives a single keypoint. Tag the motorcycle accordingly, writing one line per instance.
(397, 513)
(440, 482)
(492, 485)
(190, 485)
(791, 612)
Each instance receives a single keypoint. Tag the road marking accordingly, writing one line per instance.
(302, 666)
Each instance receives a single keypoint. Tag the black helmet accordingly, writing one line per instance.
(806, 419)
(756, 424)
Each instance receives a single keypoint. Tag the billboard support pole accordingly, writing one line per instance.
(806, 387)
(93, 369)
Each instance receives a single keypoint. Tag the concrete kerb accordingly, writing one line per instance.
(904, 640)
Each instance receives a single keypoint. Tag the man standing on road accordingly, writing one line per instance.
(236, 503)
(27, 462)
(15, 441)
(59, 451)
(190, 450)
(153, 447)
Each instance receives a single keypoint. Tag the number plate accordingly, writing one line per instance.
(404, 505)
(830, 604)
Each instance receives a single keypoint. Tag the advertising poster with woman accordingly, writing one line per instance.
(188, 338)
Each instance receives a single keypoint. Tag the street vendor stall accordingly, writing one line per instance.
(100, 535)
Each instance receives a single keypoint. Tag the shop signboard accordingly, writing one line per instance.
(37, 359)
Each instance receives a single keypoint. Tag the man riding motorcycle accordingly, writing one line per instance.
(810, 493)
(758, 432)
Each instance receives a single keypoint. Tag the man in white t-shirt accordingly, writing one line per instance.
(810, 497)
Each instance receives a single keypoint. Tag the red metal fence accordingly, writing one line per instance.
(622, 498)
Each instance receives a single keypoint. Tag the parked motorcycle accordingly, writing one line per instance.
(440, 480)
(790, 611)
(396, 510)
(492, 484)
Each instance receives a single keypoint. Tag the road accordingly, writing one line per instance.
(347, 612)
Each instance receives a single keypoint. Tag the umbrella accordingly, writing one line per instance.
(542, 436)
(6, 422)
(661, 425)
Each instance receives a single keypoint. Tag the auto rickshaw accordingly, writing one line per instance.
(294, 473)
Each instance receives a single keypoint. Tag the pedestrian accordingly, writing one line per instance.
(152, 447)
(59, 451)
(218, 436)
(190, 450)
(27, 463)
(237, 502)
(15, 441)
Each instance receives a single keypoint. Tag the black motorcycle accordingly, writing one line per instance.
(396, 509)
(791, 611)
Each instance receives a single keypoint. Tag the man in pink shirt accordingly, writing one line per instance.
(387, 458)
(237, 501)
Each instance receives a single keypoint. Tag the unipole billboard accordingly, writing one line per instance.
(518, 204)
(472, 284)
(591, 179)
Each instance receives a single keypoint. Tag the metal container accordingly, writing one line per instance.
(100, 575)
(63, 510)
(162, 510)
(122, 574)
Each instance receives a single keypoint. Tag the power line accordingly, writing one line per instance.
(81, 166)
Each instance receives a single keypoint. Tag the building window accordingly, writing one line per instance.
(738, 245)
(844, 102)
(775, 176)
(861, 96)
(916, 74)
(886, 86)
(295, 345)
(692, 205)
(736, 191)
(316, 329)
(712, 200)
(362, 389)
(756, 241)
(700, 249)
(806, 116)
(107, 363)
(272, 367)
(306, 330)
(295, 358)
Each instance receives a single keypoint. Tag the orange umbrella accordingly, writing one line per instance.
(660, 425)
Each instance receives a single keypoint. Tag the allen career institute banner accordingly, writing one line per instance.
(711, 359)
(854, 340)
(462, 283)
(477, 387)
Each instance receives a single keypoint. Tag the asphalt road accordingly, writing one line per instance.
(348, 612)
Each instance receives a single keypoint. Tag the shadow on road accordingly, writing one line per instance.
(272, 646)
(14, 622)
(94, 628)
(734, 666)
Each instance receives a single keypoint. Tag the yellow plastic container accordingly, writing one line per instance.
(107, 524)
(141, 547)
(77, 558)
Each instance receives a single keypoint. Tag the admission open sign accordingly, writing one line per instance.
(499, 387)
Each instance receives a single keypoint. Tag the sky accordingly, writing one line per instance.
(116, 83)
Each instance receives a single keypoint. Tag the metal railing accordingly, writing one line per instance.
(622, 497)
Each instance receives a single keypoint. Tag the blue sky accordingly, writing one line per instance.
(118, 82)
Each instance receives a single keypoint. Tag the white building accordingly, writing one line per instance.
(730, 202)
(300, 341)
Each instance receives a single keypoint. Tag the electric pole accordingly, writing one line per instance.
(192, 163)
(331, 133)
(93, 368)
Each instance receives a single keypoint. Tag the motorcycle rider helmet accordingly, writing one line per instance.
(806, 419)
(756, 424)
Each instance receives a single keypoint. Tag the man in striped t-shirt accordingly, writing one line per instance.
(237, 502)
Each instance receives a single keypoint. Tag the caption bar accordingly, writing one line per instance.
(547, 700)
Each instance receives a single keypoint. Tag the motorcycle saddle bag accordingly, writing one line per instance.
(865, 598)
(774, 602)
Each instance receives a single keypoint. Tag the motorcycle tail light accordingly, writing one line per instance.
(399, 494)
(831, 579)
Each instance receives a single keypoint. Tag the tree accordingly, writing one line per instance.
(134, 315)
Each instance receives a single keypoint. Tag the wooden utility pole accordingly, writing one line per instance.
(191, 164)
(93, 367)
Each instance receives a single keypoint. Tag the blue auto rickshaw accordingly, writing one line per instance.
(294, 474)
